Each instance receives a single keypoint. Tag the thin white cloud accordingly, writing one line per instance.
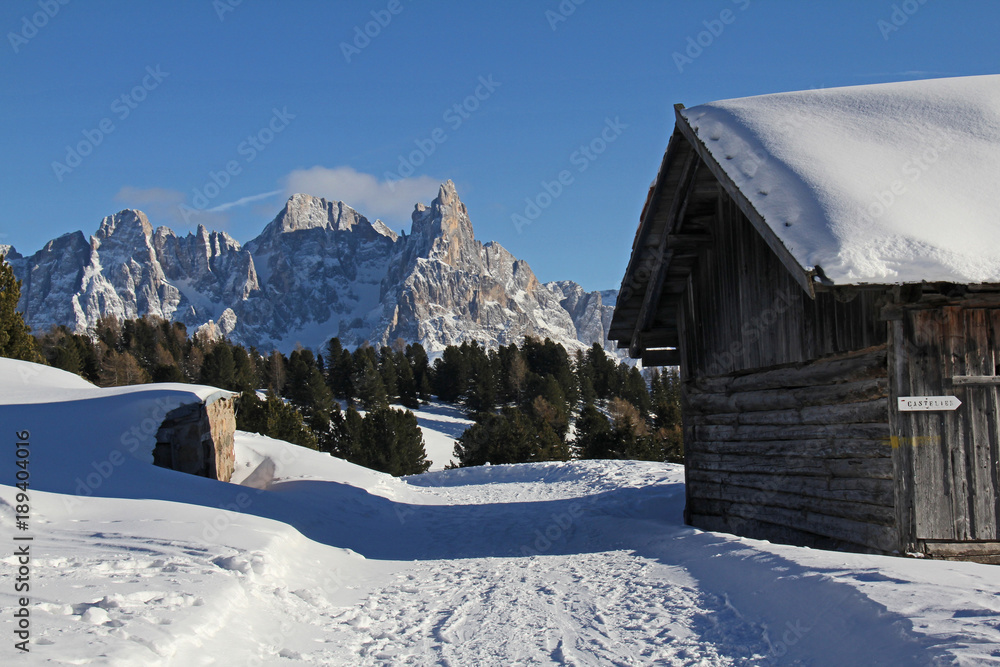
(391, 200)
(242, 201)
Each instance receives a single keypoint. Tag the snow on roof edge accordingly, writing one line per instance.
(878, 184)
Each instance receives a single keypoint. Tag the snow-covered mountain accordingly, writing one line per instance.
(319, 269)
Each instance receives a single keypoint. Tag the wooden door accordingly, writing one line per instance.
(954, 455)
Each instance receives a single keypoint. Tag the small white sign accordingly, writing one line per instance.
(915, 403)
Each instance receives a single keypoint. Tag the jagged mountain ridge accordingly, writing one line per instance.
(319, 269)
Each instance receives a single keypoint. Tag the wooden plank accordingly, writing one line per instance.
(932, 480)
(870, 491)
(858, 468)
(865, 412)
(781, 399)
(956, 423)
(661, 358)
(767, 499)
(858, 365)
(976, 380)
(881, 538)
(993, 456)
(902, 457)
(663, 253)
(879, 431)
(962, 550)
(814, 447)
(689, 240)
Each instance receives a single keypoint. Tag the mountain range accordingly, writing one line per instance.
(319, 269)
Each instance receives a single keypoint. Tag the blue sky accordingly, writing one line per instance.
(550, 116)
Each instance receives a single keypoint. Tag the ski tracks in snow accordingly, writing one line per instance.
(609, 608)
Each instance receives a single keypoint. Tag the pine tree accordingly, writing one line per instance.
(385, 439)
(273, 418)
(508, 437)
(119, 369)
(388, 373)
(277, 372)
(594, 438)
(16, 341)
(306, 387)
(218, 368)
(451, 375)
(420, 366)
(367, 383)
(409, 394)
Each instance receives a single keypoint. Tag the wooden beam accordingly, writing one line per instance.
(688, 240)
(803, 277)
(661, 358)
(659, 337)
(663, 254)
(976, 380)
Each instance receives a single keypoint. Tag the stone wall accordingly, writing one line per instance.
(198, 438)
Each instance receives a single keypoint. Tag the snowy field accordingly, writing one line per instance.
(580, 563)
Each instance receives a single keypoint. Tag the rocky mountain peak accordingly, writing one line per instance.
(319, 269)
(130, 226)
(446, 216)
(443, 230)
(304, 211)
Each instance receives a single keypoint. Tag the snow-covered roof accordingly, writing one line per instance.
(886, 183)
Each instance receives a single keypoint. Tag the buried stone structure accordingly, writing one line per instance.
(198, 438)
(824, 267)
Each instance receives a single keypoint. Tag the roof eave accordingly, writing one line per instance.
(804, 277)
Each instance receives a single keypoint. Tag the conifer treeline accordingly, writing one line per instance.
(529, 403)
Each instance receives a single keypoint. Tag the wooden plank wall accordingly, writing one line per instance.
(795, 454)
(745, 311)
(953, 458)
(786, 401)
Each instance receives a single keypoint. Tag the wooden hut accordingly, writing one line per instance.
(824, 267)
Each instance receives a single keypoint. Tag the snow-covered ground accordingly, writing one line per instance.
(580, 563)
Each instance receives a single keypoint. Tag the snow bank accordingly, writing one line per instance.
(886, 183)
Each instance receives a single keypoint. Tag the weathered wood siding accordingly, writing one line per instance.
(743, 310)
(786, 400)
(796, 454)
(948, 462)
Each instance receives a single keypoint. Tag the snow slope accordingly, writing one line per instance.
(321, 562)
(885, 183)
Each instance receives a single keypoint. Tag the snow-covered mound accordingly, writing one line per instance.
(885, 183)
(316, 561)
